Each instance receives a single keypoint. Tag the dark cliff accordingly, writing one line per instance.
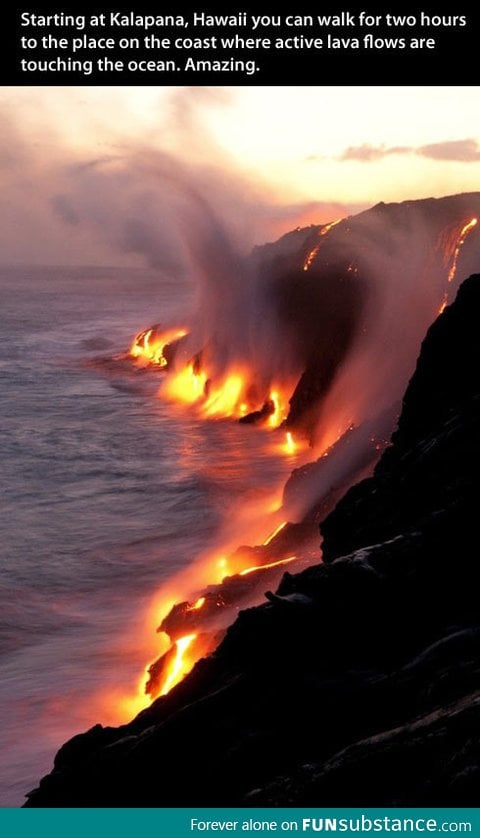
(358, 683)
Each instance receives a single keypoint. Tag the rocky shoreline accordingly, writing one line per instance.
(358, 681)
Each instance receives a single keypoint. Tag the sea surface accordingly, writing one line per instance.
(107, 491)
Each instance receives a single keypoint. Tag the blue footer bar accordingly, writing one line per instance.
(192, 823)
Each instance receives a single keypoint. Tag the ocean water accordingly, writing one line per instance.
(107, 491)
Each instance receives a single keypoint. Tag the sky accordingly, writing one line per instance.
(105, 175)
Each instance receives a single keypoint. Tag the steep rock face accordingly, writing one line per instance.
(333, 285)
(430, 470)
(358, 683)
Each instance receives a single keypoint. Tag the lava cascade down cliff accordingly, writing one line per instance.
(355, 668)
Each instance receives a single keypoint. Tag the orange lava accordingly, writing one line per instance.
(228, 396)
(186, 386)
(199, 603)
(225, 399)
(280, 408)
(149, 346)
(443, 305)
(466, 229)
(221, 399)
(274, 533)
(221, 570)
(289, 446)
(264, 566)
(453, 241)
(180, 664)
(323, 232)
(311, 257)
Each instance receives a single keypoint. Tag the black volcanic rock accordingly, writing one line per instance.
(326, 304)
(433, 462)
(358, 683)
(328, 282)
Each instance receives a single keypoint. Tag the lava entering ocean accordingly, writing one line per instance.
(152, 345)
(314, 340)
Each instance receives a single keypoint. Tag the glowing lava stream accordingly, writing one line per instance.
(179, 667)
(314, 251)
(235, 393)
(229, 395)
(280, 409)
(274, 533)
(223, 400)
(444, 304)
(452, 251)
(264, 566)
(186, 386)
(199, 603)
(150, 346)
(226, 397)
(460, 241)
(175, 662)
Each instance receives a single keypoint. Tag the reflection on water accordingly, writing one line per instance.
(110, 492)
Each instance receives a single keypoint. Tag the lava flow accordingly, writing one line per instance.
(186, 386)
(279, 406)
(274, 534)
(192, 385)
(289, 445)
(179, 665)
(323, 356)
(199, 603)
(233, 395)
(452, 249)
(313, 252)
(267, 566)
(150, 345)
(466, 229)
(195, 628)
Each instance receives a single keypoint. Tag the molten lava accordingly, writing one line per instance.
(274, 533)
(233, 395)
(221, 384)
(199, 603)
(452, 243)
(311, 257)
(265, 566)
(180, 665)
(444, 304)
(149, 346)
(221, 569)
(280, 408)
(323, 232)
(225, 400)
(195, 629)
(289, 446)
(220, 399)
(466, 229)
(186, 386)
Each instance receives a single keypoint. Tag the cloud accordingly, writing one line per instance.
(460, 151)
(463, 151)
(153, 200)
(366, 153)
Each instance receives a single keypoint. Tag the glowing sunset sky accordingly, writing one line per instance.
(72, 158)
